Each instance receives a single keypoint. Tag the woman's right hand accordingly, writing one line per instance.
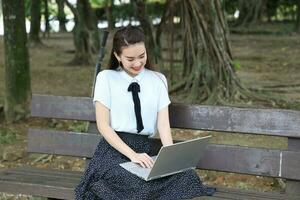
(143, 159)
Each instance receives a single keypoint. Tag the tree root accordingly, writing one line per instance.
(79, 62)
(276, 90)
(43, 158)
(37, 45)
(241, 97)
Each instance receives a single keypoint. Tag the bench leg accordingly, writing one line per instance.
(293, 187)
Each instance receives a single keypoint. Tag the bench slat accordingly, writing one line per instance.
(62, 107)
(38, 184)
(57, 174)
(55, 192)
(231, 193)
(64, 190)
(217, 157)
(291, 165)
(41, 179)
(276, 122)
(30, 169)
(62, 143)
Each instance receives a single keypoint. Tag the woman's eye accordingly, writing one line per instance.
(141, 57)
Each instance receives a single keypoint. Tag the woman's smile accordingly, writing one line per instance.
(133, 58)
(138, 68)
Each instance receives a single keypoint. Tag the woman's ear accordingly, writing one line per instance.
(118, 58)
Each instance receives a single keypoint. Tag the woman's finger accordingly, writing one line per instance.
(149, 163)
(142, 164)
(145, 161)
(149, 159)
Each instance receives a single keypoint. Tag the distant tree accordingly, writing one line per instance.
(208, 75)
(167, 27)
(61, 16)
(297, 26)
(146, 24)
(271, 9)
(85, 32)
(250, 12)
(166, 18)
(17, 73)
(46, 15)
(35, 24)
(109, 14)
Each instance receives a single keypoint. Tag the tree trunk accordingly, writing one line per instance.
(109, 14)
(250, 12)
(141, 13)
(35, 13)
(85, 33)
(167, 14)
(297, 26)
(209, 73)
(47, 25)
(210, 76)
(17, 74)
(61, 16)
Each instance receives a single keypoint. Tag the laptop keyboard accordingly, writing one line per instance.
(137, 169)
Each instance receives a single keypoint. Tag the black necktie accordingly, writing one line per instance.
(135, 89)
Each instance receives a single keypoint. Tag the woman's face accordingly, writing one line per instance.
(133, 58)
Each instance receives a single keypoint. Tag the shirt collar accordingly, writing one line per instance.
(129, 78)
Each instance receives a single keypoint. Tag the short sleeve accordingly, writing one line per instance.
(163, 99)
(102, 89)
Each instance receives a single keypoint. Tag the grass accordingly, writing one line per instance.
(7, 136)
(265, 28)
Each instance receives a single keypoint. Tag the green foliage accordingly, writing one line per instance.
(127, 11)
(52, 8)
(27, 4)
(242, 185)
(78, 126)
(277, 10)
(99, 3)
(7, 136)
(286, 10)
(236, 64)
(102, 3)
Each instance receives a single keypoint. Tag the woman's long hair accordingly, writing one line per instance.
(124, 37)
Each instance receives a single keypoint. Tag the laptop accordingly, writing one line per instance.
(171, 159)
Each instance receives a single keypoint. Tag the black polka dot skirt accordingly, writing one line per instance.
(105, 179)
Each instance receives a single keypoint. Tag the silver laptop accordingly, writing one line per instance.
(171, 159)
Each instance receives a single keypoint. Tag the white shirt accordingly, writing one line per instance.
(111, 90)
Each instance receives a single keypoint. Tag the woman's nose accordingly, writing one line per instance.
(137, 63)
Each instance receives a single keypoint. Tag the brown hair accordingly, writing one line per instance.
(124, 37)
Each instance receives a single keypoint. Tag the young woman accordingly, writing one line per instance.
(131, 104)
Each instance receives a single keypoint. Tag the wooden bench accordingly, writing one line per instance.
(59, 184)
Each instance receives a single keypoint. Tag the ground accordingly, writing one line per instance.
(262, 60)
